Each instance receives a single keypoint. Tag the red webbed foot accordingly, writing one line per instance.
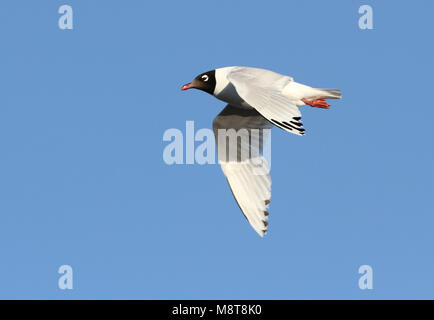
(319, 103)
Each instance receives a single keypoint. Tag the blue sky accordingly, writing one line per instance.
(83, 182)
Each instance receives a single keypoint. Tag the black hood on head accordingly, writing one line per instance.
(205, 81)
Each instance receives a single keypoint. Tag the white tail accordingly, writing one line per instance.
(331, 94)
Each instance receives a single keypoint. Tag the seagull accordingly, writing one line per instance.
(256, 100)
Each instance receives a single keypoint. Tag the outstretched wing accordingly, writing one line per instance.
(262, 89)
(246, 169)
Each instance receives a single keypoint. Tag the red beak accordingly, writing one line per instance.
(187, 86)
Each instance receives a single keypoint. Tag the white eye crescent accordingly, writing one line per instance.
(205, 77)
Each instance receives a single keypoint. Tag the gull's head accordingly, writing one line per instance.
(205, 81)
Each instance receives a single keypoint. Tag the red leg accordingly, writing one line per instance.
(319, 103)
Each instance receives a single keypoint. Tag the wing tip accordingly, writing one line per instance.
(262, 233)
(264, 230)
(293, 126)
